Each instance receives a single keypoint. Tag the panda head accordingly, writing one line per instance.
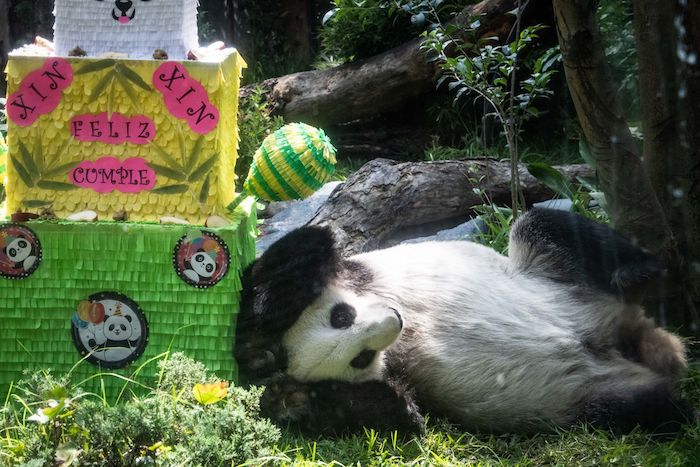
(118, 328)
(310, 313)
(20, 251)
(202, 264)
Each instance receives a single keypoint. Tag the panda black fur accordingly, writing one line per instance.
(550, 336)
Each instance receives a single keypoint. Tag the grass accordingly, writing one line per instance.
(448, 445)
(173, 425)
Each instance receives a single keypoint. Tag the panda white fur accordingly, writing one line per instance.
(550, 336)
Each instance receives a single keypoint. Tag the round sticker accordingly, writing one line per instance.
(20, 251)
(201, 259)
(109, 329)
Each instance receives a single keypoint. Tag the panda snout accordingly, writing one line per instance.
(398, 315)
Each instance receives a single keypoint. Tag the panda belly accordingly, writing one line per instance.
(494, 376)
(491, 348)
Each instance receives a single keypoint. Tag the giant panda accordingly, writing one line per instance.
(552, 335)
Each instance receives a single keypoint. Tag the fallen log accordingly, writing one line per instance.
(385, 196)
(383, 83)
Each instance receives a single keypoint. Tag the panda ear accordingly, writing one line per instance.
(128, 318)
(287, 278)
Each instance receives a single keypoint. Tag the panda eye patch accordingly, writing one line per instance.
(22, 244)
(342, 316)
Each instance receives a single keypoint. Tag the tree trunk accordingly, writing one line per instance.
(633, 205)
(298, 29)
(670, 116)
(386, 196)
(687, 190)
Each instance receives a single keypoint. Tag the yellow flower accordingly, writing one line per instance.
(210, 393)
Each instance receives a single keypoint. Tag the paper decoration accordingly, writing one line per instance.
(201, 259)
(40, 92)
(185, 98)
(135, 27)
(109, 329)
(108, 174)
(194, 172)
(20, 251)
(135, 260)
(118, 129)
(292, 163)
(3, 159)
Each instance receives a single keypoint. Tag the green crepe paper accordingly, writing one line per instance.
(134, 259)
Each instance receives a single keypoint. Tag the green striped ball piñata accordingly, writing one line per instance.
(292, 163)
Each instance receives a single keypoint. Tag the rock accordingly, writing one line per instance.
(173, 220)
(23, 216)
(465, 231)
(560, 204)
(121, 216)
(160, 54)
(293, 214)
(83, 216)
(47, 214)
(216, 221)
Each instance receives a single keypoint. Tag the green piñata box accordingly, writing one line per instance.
(109, 297)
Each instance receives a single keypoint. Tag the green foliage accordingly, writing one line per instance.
(45, 421)
(586, 197)
(489, 74)
(498, 220)
(255, 122)
(447, 445)
(617, 31)
(508, 78)
(356, 29)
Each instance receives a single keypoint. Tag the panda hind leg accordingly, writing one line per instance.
(569, 248)
(641, 340)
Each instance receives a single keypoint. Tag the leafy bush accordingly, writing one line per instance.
(617, 32)
(255, 122)
(357, 29)
(189, 419)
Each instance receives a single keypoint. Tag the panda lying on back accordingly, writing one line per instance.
(550, 336)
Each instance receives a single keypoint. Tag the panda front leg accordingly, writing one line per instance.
(338, 407)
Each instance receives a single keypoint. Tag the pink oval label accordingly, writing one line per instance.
(40, 92)
(120, 129)
(185, 98)
(109, 173)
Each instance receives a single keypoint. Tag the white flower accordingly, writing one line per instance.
(39, 417)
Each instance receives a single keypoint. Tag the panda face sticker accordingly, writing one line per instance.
(203, 265)
(201, 259)
(109, 330)
(119, 328)
(20, 251)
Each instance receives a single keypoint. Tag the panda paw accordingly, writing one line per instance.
(337, 407)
